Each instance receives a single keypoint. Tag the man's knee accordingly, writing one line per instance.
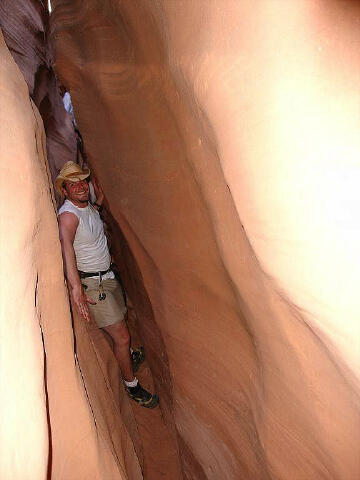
(120, 334)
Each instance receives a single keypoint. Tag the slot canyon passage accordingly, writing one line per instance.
(225, 135)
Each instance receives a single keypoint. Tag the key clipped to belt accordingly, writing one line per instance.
(102, 294)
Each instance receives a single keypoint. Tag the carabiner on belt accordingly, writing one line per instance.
(102, 294)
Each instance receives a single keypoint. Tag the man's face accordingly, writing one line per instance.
(77, 192)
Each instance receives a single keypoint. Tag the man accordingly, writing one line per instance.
(92, 284)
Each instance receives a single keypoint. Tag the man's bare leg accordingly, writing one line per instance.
(120, 334)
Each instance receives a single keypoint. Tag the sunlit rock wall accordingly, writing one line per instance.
(23, 400)
(58, 420)
(226, 137)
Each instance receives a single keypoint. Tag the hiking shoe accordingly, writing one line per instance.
(137, 357)
(142, 396)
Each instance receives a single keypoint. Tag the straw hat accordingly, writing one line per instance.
(72, 172)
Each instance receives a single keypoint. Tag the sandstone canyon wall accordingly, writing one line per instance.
(226, 140)
(226, 137)
(25, 25)
(58, 420)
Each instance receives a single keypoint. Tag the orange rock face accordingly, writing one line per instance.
(225, 136)
(57, 420)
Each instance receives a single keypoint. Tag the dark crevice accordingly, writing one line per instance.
(50, 451)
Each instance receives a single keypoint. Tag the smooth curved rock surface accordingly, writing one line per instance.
(23, 398)
(225, 135)
(57, 420)
(25, 25)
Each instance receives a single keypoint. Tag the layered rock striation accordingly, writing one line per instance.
(25, 26)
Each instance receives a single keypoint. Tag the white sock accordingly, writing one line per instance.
(131, 350)
(132, 384)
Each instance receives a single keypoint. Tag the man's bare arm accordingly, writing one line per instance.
(68, 223)
(99, 194)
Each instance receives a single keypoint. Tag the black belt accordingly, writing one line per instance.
(93, 274)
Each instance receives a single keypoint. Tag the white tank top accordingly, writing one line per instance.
(90, 244)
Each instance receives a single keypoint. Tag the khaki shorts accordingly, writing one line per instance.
(112, 309)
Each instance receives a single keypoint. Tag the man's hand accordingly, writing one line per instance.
(81, 301)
